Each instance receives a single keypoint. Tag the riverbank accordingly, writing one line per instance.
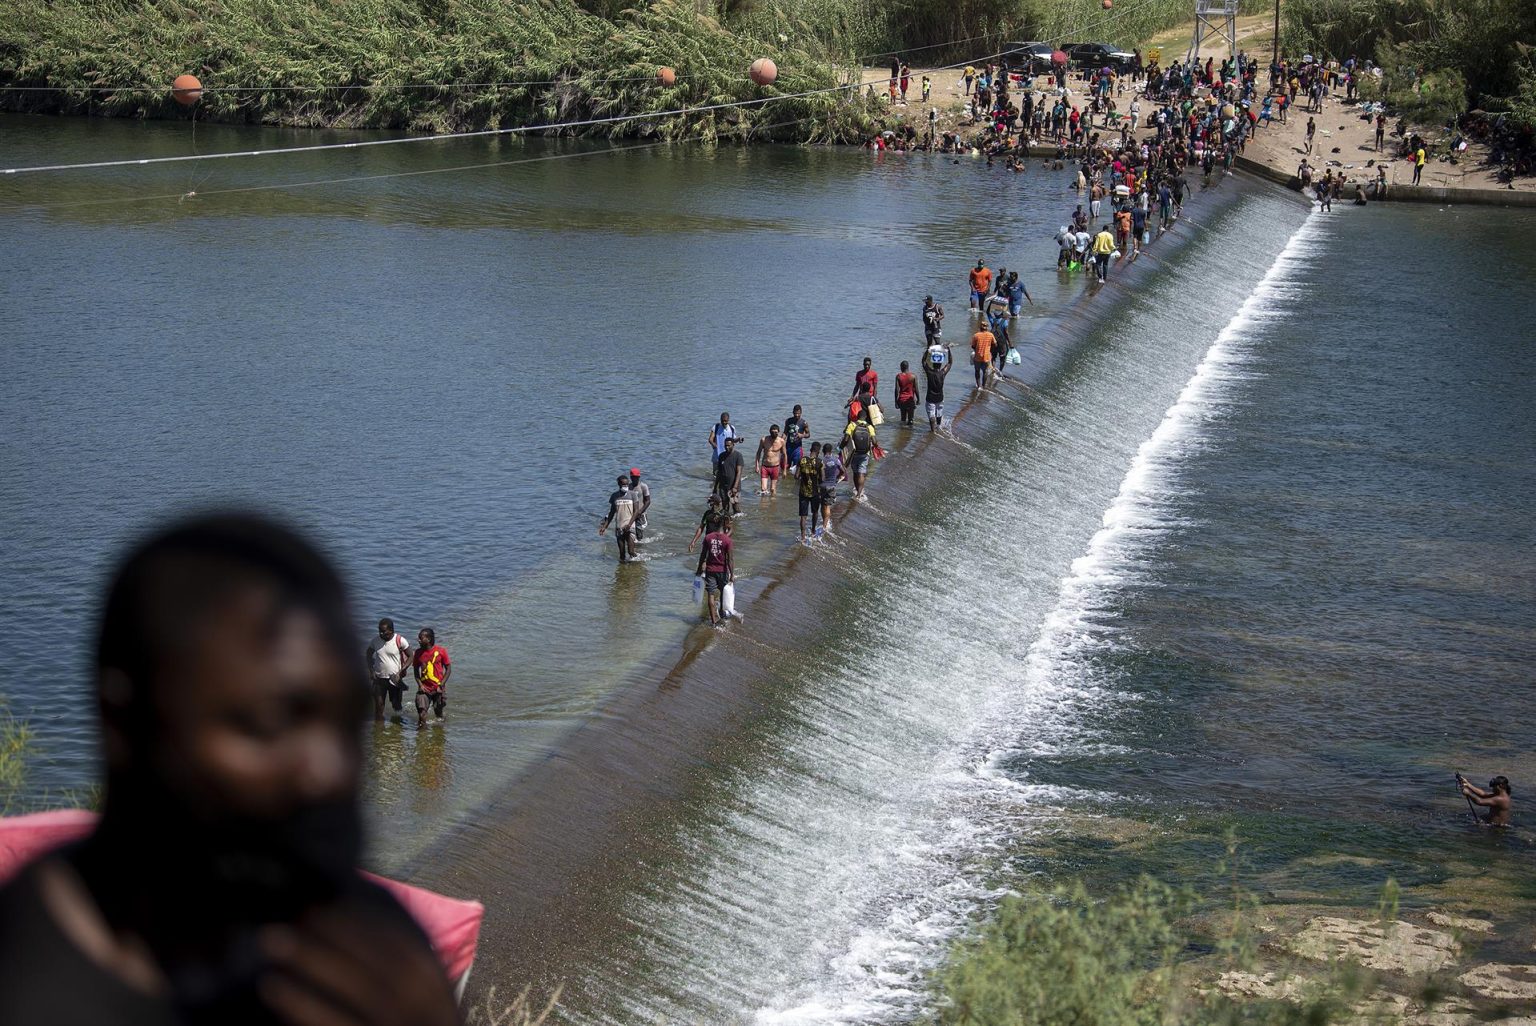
(1346, 142)
(395, 64)
(1432, 952)
(597, 806)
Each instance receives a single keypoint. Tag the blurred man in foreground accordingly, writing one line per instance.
(219, 885)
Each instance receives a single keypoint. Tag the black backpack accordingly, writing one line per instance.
(862, 439)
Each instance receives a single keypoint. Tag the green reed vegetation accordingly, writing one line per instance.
(1439, 57)
(15, 743)
(451, 65)
(1144, 954)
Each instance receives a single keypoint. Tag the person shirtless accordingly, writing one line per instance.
(1496, 799)
(770, 461)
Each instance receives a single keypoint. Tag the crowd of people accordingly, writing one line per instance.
(1131, 175)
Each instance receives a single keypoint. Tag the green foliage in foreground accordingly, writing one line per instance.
(1066, 957)
(450, 65)
(15, 741)
(1440, 56)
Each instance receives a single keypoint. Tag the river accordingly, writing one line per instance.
(1254, 552)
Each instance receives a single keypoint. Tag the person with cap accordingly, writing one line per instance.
(621, 515)
(642, 496)
(981, 284)
(1496, 799)
(714, 516)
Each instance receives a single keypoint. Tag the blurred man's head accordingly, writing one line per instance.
(230, 701)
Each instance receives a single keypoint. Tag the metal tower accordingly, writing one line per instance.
(1214, 20)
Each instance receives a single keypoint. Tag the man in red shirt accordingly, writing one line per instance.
(717, 568)
(433, 668)
(866, 380)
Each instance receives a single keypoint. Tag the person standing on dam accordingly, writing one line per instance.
(621, 517)
(1103, 247)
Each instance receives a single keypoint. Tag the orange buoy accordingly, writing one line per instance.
(186, 90)
(763, 71)
(1108, 4)
(666, 76)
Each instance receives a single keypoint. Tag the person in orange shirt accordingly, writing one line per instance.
(981, 281)
(981, 354)
(1123, 229)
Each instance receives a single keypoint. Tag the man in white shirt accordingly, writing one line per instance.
(1135, 114)
(388, 655)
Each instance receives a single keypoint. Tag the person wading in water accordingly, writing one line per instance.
(1496, 799)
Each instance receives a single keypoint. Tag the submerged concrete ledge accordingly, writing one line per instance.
(552, 854)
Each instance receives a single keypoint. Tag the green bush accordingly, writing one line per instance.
(1066, 957)
(1462, 53)
(15, 743)
(444, 65)
(1062, 957)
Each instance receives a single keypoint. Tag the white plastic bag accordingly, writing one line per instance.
(728, 600)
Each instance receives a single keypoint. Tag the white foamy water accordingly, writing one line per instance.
(1082, 621)
(823, 879)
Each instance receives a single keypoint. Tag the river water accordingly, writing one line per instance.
(1255, 555)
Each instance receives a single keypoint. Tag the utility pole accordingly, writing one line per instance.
(1277, 32)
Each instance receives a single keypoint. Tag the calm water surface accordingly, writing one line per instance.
(441, 375)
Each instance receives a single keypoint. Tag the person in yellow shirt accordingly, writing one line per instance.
(1418, 164)
(970, 78)
(1103, 246)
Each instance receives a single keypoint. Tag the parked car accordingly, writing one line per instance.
(1100, 55)
(1028, 59)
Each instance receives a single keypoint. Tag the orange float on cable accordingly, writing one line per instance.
(186, 90)
(1108, 4)
(763, 71)
(666, 76)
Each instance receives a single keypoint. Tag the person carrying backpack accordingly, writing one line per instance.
(859, 445)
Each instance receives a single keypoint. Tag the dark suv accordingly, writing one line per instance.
(1099, 55)
(1028, 59)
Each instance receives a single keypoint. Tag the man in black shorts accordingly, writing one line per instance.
(809, 476)
(388, 655)
(717, 569)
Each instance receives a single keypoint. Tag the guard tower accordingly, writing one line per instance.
(1215, 21)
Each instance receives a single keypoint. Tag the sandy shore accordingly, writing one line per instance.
(1346, 142)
